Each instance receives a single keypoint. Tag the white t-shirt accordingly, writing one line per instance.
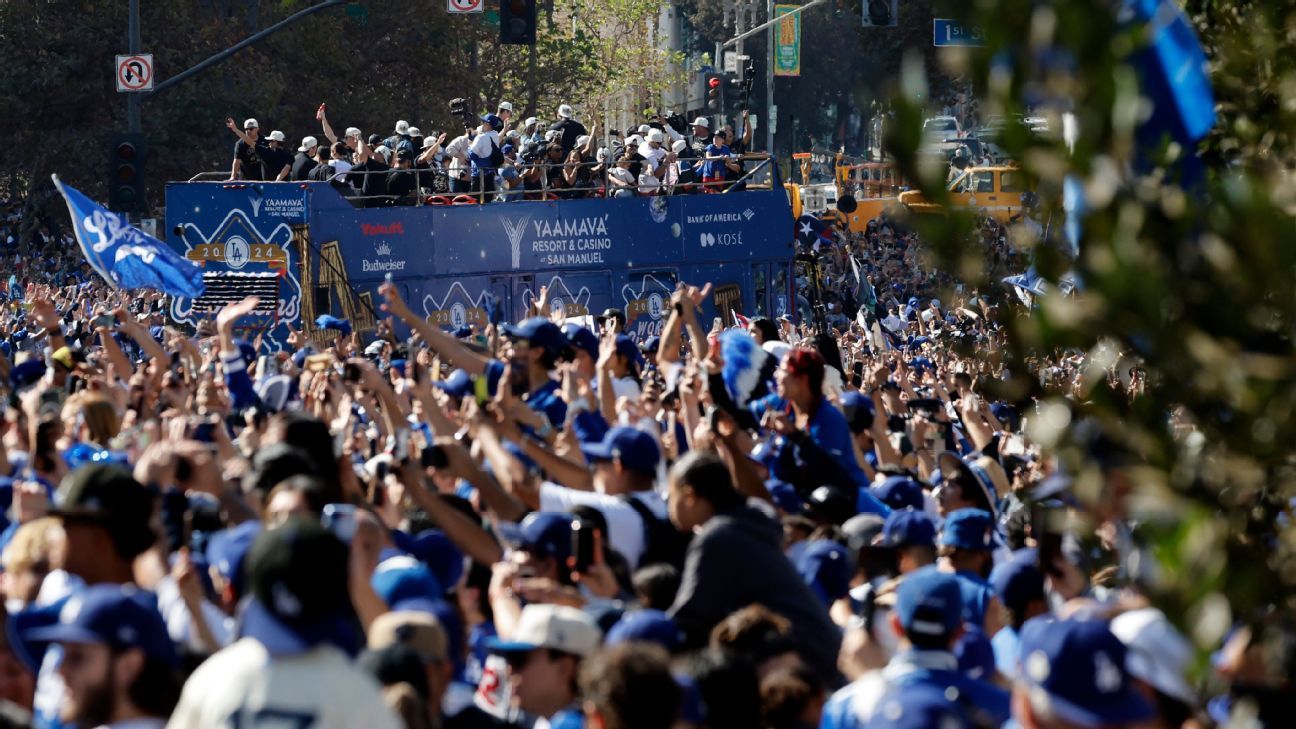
(625, 528)
(626, 387)
(648, 184)
(624, 175)
(457, 150)
(341, 168)
(319, 689)
(654, 157)
(481, 145)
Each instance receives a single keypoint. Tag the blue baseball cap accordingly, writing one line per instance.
(975, 653)
(582, 339)
(459, 384)
(496, 123)
(508, 148)
(968, 529)
(649, 626)
(1079, 666)
(635, 449)
(538, 332)
(650, 345)
(543, 533)
(826, 567)
(26, 374)
(900, 492)
(858, 409)
(918, 705)
(785, 496)
(404, 578)
(434, 549)
(929, 602)
(118, 616)
(1006, 414)
(227, 551)
(626, 347)
(908, 528)
(328, 321)
(399, 365)
(1018, 580)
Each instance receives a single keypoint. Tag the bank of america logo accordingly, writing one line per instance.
(382, 249)
(515, 229)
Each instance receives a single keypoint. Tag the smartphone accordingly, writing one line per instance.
(582, 545)
(104, 320)
(341, 520)
(351, 372)
(318, 362)
(433, 456)
(204, 432)
(1047, 526)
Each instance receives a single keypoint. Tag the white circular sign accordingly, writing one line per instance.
(237, 252)
(464, 6)
(458, 316)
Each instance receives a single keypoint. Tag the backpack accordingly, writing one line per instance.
(662, 541)
(496, 156)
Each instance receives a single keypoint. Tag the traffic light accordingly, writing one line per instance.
(518, 22)
(880, 13)
(126, 173)
(715, 83)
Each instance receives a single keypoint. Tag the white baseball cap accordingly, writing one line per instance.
(557, 627)
(529, 121)
(402, 127)
(581, 140)
(251, 124)
(1158, 653)
(428, 142)
(352, 132)
(308, 143)
(383, 151)
(551, 135)
(276, 136)
(513, 134)
(634, 139)
(657, 136)
(644, 129)
(505, 106)
(602, 154)
(415, 132)
(703, 122)
(679, 146)
(565, 111)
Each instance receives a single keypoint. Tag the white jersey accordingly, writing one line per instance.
(625, 527)
(315, 690)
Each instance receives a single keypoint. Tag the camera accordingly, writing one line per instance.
(459, 108)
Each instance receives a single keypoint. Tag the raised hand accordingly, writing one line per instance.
(231, 313)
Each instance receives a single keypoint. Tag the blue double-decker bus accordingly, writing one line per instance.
(306, 251)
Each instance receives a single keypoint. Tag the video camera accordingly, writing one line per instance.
(459, 108)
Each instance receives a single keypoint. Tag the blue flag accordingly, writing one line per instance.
(125, 256)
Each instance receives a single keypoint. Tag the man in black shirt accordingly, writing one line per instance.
(632, 152)
(401, 180)
(276, 160)
(568, 128)
(248, 164)
(305, 161)
(371, 174)
(701, 137)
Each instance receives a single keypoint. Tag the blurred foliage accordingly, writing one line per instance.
(1195, 284)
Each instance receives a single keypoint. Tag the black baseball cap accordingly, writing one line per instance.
(298, 578)
(108, 495)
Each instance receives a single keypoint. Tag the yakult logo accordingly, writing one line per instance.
(390, 229)
(720, 239)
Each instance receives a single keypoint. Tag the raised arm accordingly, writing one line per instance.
(450, 349)
(328, 130)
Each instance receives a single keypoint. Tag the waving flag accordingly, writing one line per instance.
(125, 256)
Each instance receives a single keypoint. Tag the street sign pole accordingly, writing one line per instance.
(769, 82)
(133, 47)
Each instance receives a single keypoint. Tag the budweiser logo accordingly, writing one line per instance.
(390, 229)
(382, 249)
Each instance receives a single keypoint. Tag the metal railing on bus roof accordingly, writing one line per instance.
(431, 196)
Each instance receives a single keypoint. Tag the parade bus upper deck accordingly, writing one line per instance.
(306, 251)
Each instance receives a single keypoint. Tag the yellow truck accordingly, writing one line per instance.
(835, 186)
(994, 191)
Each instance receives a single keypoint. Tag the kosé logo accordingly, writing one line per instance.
(720, 239)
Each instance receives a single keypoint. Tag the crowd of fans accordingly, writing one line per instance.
(500, 158)
(781, 524)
